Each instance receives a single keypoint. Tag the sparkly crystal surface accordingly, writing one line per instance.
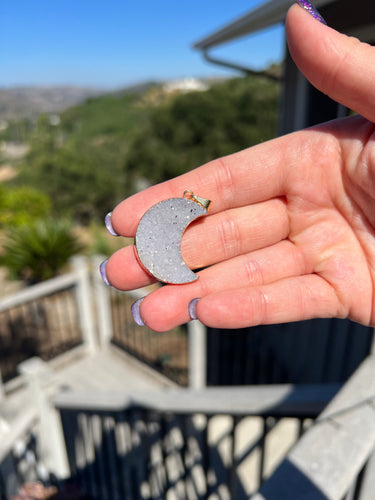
(158, 239)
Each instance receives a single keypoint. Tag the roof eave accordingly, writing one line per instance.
(264, 16)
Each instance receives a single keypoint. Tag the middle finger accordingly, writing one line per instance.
(222, 236)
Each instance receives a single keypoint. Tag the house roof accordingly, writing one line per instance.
(266, 15)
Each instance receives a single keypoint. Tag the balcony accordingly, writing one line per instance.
(124, 413)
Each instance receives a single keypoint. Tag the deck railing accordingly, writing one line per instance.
(191, 444)
(335, 460)
(50, 318)
(165, 352)
(226, 442)
(46, 319)
(194, 444)
(19, 455)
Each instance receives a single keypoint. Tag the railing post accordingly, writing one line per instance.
(197, 351)
(103, 303)
(51, 443)
(85, 305)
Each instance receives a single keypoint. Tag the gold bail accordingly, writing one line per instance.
(201, 201)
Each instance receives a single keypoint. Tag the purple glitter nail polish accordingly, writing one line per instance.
(108, 224)
(103, 273)
(305, 4)
(193, 308)
(136, 312)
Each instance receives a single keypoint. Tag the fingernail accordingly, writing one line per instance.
(136, 312)
(305, 4)
(103, 272)
(193, 308)
(108, 224)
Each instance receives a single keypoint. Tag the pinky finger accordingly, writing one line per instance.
(292, 299)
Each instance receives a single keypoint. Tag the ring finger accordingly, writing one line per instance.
(257, 268)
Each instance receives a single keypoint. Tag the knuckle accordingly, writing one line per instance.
(253, 272)
(229, 236)
(258, 306)
(224, 181)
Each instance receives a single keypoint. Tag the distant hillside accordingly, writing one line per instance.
(28, 102)
(17, 103)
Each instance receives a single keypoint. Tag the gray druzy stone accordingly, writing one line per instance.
(158, 239)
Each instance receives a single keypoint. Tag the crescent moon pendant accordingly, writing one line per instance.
(158, 239)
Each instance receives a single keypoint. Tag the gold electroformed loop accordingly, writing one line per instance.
(203, 202)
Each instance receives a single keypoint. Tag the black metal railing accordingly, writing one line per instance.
(165, 352)
(42, 320)
(335, 459)
(190, 444)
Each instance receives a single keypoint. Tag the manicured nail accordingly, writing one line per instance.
(136, 312)
(305, 4)
(193, 308)
(108, 224)
(103, 272)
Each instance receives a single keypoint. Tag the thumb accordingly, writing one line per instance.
(340, 66)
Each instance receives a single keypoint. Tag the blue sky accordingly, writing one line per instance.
(114, 43)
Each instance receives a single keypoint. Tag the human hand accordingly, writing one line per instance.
(290, 235)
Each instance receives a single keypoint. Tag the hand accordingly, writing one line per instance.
(291, 232)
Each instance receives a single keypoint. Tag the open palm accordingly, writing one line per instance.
(290, 235)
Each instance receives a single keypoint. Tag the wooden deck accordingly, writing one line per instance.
(107, 370)
(111, 370)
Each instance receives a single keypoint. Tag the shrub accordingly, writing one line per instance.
(38, 251)
(21, 205)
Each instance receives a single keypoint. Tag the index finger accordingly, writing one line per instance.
(250, 176)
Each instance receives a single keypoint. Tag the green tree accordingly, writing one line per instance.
(78, 163)
(100, 150)
(194, 128)
(80, 185)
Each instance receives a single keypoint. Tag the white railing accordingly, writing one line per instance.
(196, 332)
(93, 305)
(17, 457)
(335, 458)
(33, 296)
